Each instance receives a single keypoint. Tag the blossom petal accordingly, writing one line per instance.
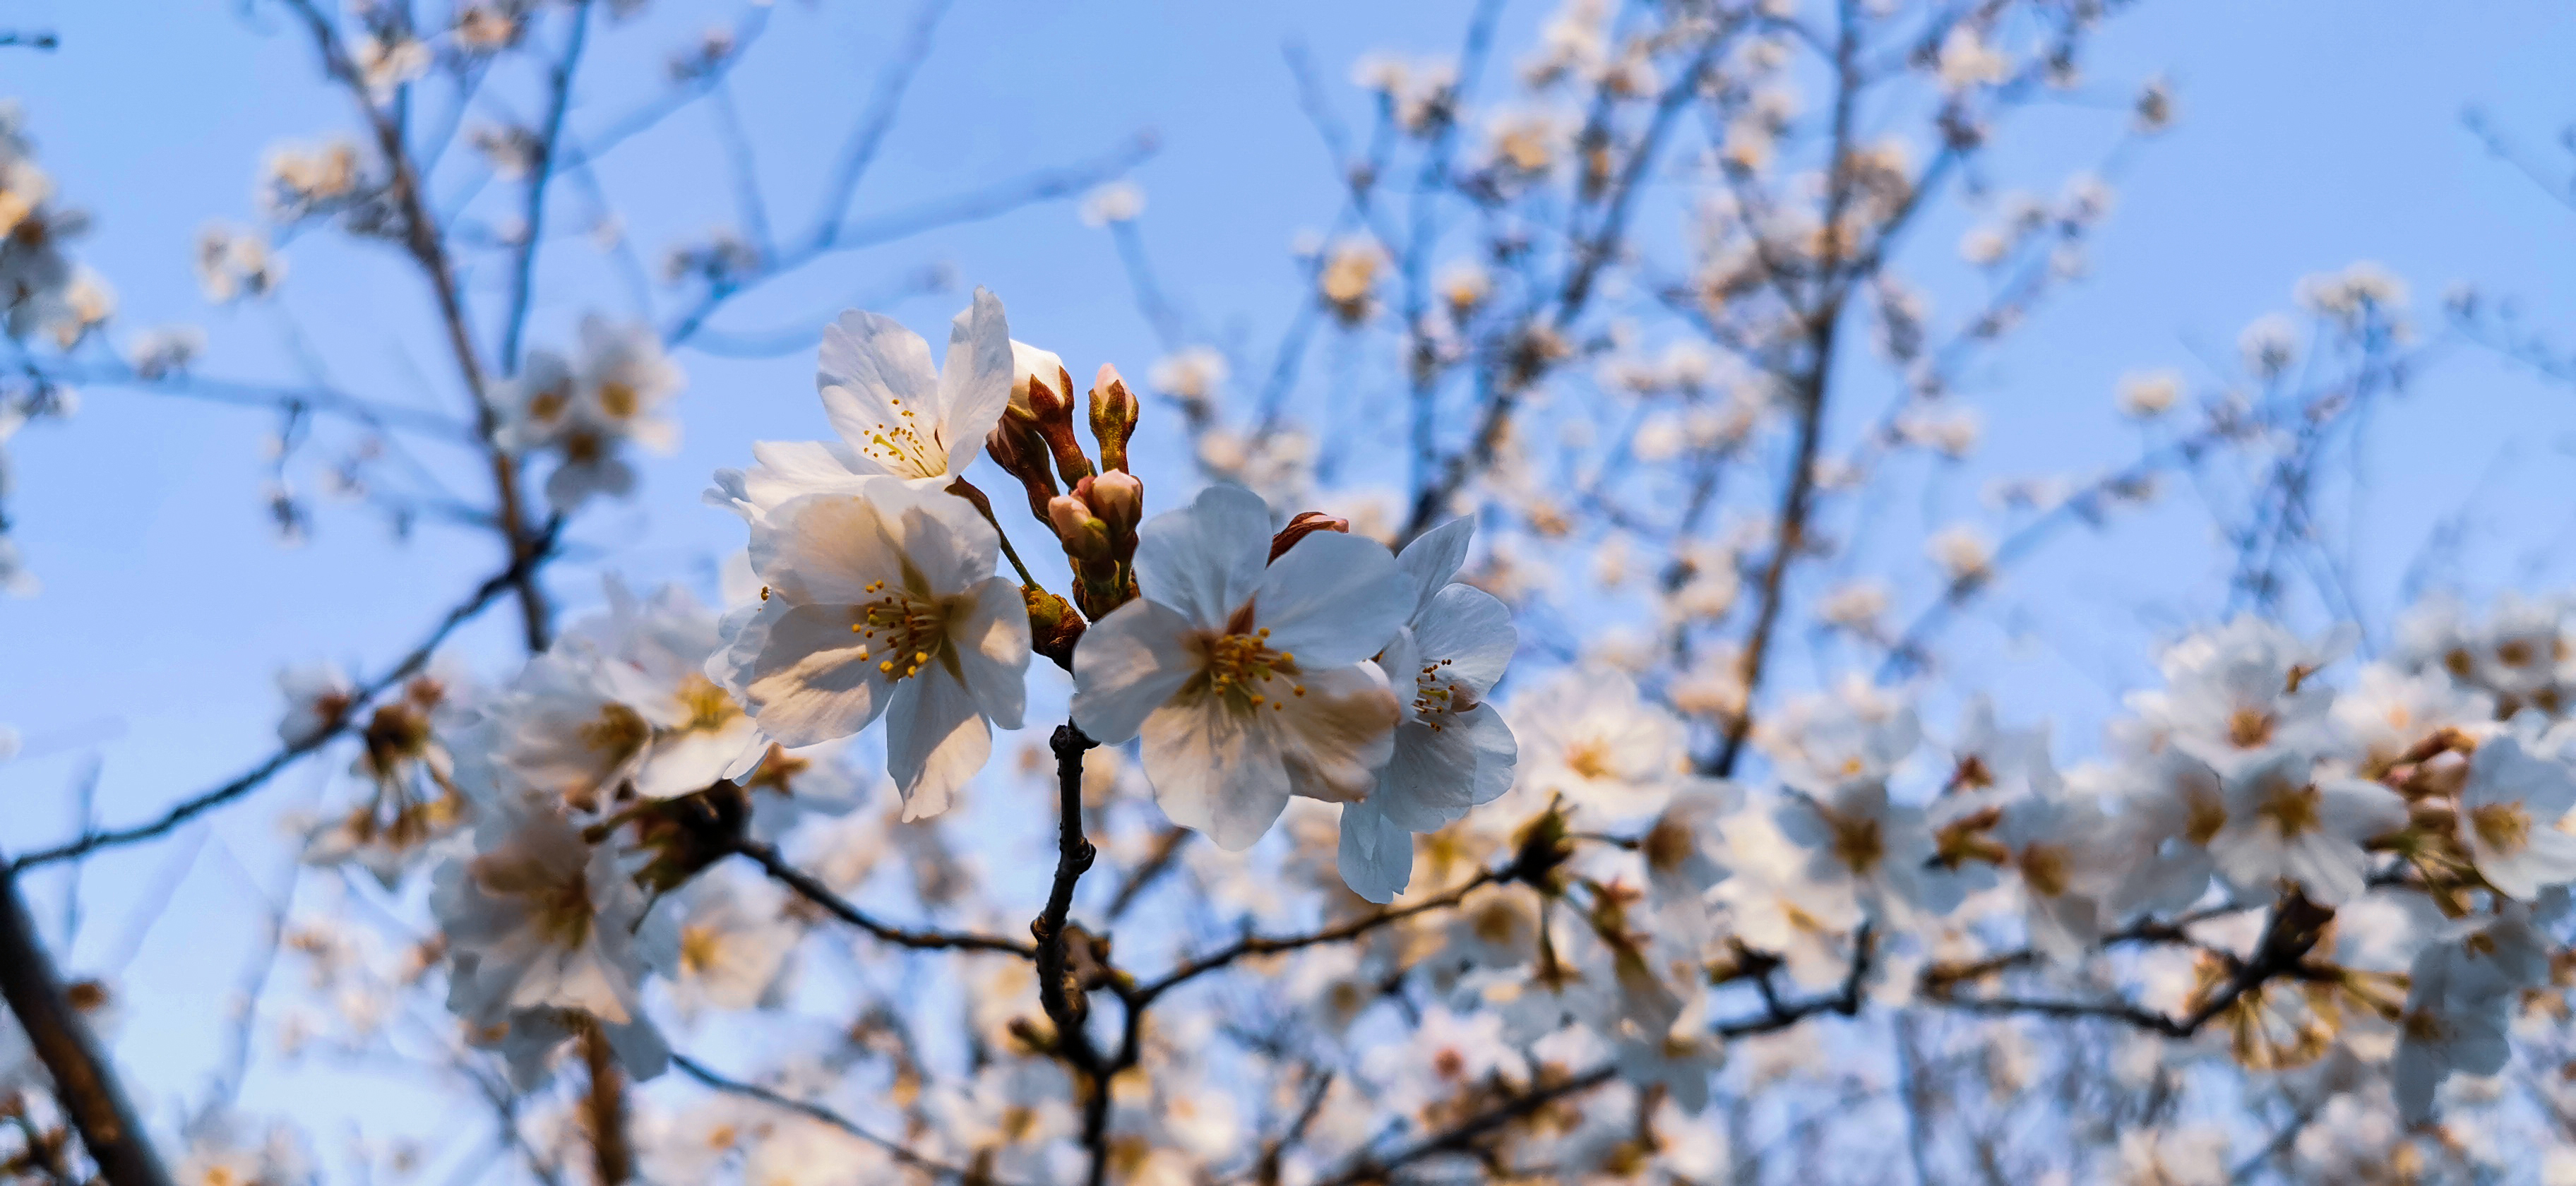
(976, 385)
(1498, 752)
(1376, 855)
(1333, 599)
(1430, 779)
(827, 549)
(992, 649)
(1127, 665)
(802, 673)
(872, 372)
(1472, 630)
(1433, 558)
(935, 741)
(1337, 736)
(1215, 770)
(1205, 559)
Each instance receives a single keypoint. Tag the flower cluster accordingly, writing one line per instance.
(584, 410)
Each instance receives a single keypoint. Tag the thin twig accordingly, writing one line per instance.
(813, 1111)
(813, 890)
(250, 780)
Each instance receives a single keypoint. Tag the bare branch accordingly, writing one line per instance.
(813, 890)
(250, 780)
(85, 1081)
(817, 1112)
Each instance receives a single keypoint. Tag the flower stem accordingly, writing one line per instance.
(966, 490)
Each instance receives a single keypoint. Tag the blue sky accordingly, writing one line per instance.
(2312, 134)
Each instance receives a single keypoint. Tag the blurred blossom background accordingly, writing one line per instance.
(2024, 488)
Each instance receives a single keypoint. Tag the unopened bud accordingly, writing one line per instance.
(1028, 363)
(1054, 627)
(1117, 497)
(1541, 848)
(1305, 524)
(1113, 416)
(1050, 412)
(1015, 446)
(1045, 398)
(1085, 536)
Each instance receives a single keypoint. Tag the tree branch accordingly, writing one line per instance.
(250, 780)
(1252, 945)
(85, 1081)
(817, 1112)
(813, 890)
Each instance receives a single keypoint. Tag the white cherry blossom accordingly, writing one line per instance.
(897, 415)
(1452, 749)
(882, 603)
(1250, 683)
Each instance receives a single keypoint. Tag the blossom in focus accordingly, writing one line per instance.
(1249, 682)
(882, 604)
(1452, 749)
(897, 414)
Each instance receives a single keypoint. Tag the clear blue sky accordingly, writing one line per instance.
(2312, 134)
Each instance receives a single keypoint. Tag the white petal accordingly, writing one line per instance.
(1214, 771)
(785, 469)
(1376, 854)
(1431, 778)
(1433, 558)
(1473, 630)
(873, 371)
(943, 537)
(1337, 736)
(827, 549)
(2358, 810)
(935, 741)
(976, 385)
(1127, 665)
(2548, 858)
(1205, 559)
(992, 647)
(1333, 599)
(1497, 751)
(805, 677)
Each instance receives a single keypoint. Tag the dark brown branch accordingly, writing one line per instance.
(1252, 945)
(603, 1107)
(813, 890)
(2288, 936)
(1462, 1136)
(421, 240)
(1060, 990)
(1823, 322)
(85, 1081)
(250, 780)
